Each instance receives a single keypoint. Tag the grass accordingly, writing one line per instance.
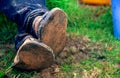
(7, 29)
(95, 22)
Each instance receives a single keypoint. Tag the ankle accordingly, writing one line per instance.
(36, 23)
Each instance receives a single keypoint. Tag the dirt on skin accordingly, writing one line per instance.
(77, 49)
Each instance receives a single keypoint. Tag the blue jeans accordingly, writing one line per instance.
(23, 12)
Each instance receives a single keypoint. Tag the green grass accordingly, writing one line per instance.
(7, 29)
(95, 22)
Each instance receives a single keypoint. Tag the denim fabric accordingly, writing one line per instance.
(23, 13)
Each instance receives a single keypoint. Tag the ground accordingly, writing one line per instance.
(78, 48)
(91, 49)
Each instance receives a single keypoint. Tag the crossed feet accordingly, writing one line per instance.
(40, 53)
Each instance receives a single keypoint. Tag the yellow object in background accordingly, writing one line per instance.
(99, 2)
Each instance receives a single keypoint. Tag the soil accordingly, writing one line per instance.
(77, 49)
